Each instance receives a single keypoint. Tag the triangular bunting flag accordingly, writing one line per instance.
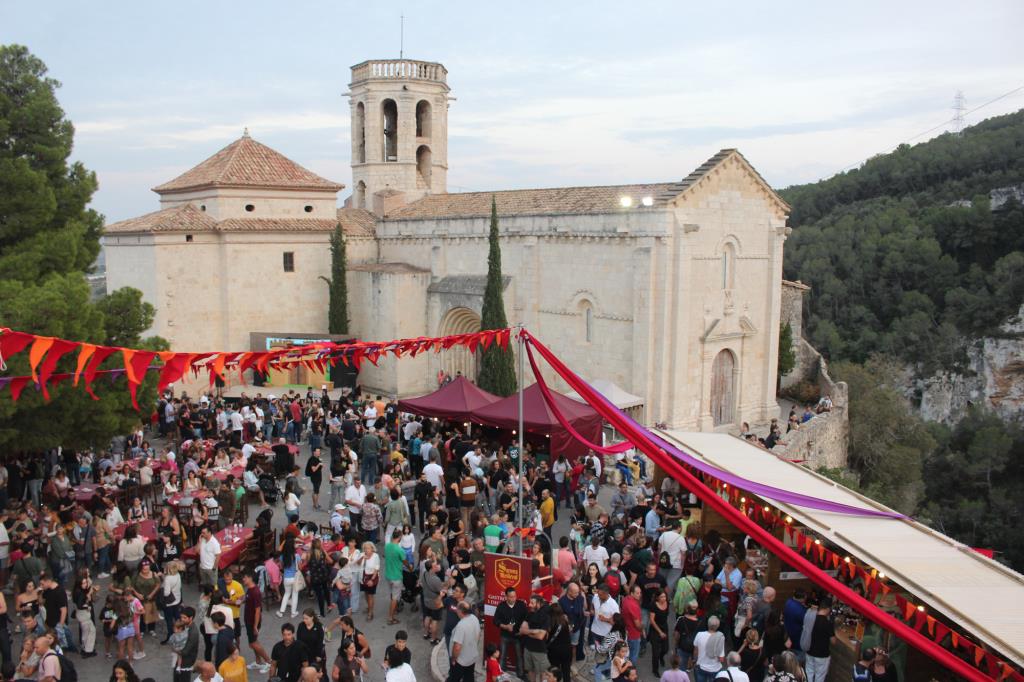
(12, 343)
(36, 353)
(17, 385)
(87, 349)
(58, 349)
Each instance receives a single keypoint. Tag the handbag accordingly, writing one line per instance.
(370, 580)
(300, 581)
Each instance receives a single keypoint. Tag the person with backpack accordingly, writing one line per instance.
(52, 664)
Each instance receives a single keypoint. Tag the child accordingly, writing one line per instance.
(494, 671)
(109, 618)
(408, 543)
(137, 610)
(125, 628)
(343, 585)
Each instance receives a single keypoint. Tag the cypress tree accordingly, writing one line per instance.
(787, 355)
(337, 311)
(497, 374)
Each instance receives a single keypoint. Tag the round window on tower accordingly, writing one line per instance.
(308, 209)
(250, 208)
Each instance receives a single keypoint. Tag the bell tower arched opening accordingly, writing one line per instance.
(423, 166)
(389, 123)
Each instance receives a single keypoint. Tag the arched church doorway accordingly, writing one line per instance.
(458, 359)
(723, 388)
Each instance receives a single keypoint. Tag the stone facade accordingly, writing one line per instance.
(673, 291)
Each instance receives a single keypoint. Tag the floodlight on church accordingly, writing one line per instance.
(625, 202)
(647, 201)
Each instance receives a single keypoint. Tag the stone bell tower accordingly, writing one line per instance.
(399, 132)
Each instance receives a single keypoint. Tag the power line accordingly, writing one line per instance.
(943, 124)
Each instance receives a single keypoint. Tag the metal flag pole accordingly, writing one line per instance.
(522, 450)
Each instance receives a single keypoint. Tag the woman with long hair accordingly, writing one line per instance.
(290, 567)
(311, 633)
(82, 595)
(171, 587)
(319, 569)
(123, 672)
(657, 632)
(560, 651)
(349, 665)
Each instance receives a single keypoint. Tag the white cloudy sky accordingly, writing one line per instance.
(548, 94)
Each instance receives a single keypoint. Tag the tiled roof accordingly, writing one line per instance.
(247, 163)
(551, 201)
(186, 218)
(562, 200)
(355, 222)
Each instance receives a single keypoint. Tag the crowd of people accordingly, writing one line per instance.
(414, 506)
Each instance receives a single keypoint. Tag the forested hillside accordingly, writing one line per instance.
(895, 264)
(907, 263)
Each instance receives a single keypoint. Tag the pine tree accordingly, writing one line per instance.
(337, 312)
(787, 356)
(497, 374)
(49, 239)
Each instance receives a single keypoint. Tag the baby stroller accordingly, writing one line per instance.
(268, 486)
(410, 590)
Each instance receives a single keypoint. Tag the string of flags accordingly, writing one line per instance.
(44, 352)
(875, 584)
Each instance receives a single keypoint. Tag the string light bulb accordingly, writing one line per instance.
(921, 608)
(789, 519)
(817, 542)
(767, 509)
(846, 559)
(743, 499)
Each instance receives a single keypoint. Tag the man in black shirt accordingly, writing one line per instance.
(652, 582)
(289, 656)
(823, 636)
(56, 601)
(534, 632)
(508, 616)
(399, 651)
(451, 612)
(283, 460)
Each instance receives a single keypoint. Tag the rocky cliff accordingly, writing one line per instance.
(994, 378)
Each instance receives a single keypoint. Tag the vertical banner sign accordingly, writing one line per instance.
(500, 573)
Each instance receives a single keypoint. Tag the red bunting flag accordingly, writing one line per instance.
(136, 369)
(58, 349)
(17, 385)
(12, 343)
(940, 632)
(174, 368)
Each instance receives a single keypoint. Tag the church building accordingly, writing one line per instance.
(672, 290)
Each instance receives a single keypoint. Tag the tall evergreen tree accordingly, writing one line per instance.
(787, 354)
(497, 373)
(49, 239)
(337, 311)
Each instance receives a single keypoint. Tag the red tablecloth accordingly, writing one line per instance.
(222, 474)
(229, 553)
(147, 529)
(268, 449)
(84, 491)
(200, 494)
(134, 464)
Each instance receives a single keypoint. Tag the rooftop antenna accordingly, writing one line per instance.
(959, 106)
(401, 38)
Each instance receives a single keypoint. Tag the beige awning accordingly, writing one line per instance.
(981, 595)
(619, 397)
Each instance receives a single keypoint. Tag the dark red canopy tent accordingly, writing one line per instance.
(457, 401)
(537, 418)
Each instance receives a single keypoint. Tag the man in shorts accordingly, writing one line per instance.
(253, 617)
(534, 633)
(432, 595)
(394, 562)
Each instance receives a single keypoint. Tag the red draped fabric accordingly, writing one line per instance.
(675, 469)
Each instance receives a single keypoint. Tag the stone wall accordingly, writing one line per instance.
(824, 440)
(793, 313)
(994, 378)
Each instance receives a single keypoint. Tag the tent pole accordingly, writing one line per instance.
(522, 450)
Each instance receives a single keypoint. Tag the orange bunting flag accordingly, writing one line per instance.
(136, 368)
(87, 349)
(979, 654)
(216, 367)
(101, 354)
(954, 640)
(35, 355)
